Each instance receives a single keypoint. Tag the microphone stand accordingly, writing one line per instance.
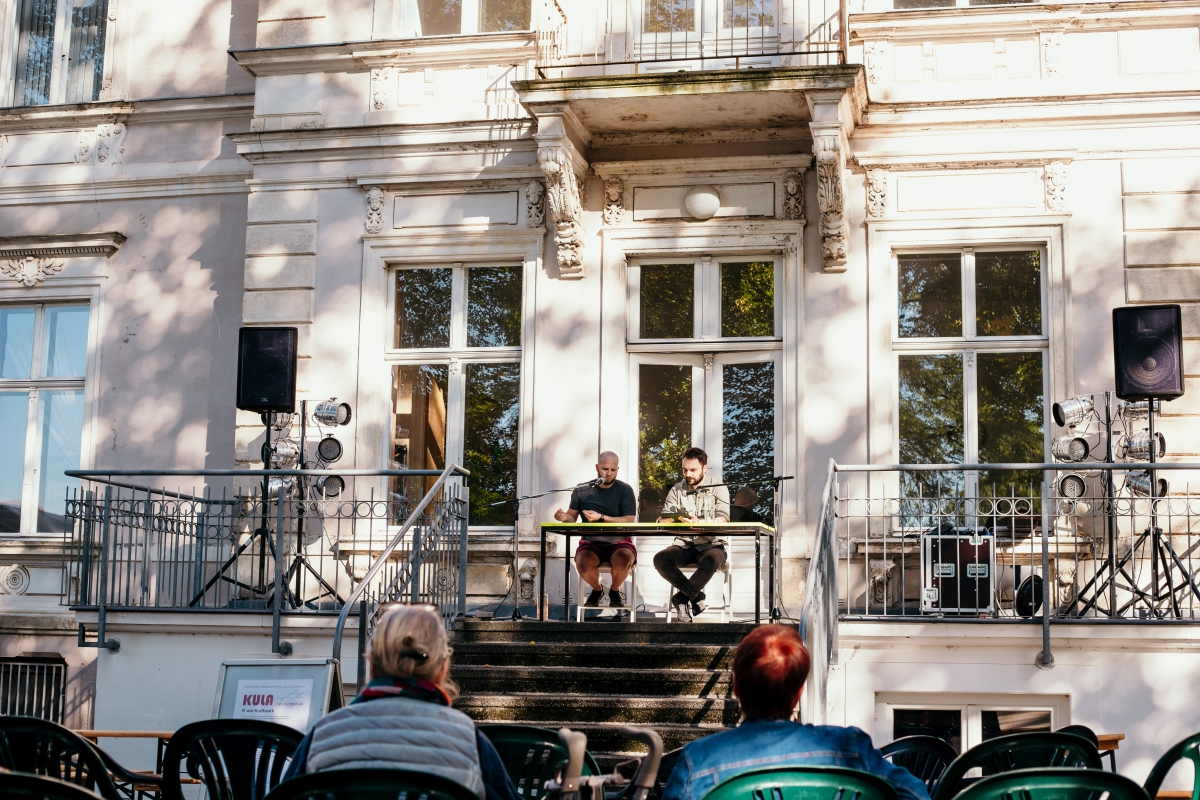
(516, 615)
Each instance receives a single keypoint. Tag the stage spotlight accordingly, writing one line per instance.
(329, 486)
(1139, 484)
(1139, 409)
(284, 453)
(1137, 446)
(282, 485)
(1070, 448)
(329, 450)
(1070, 413)
(278, 420)
(1072, 486)
(332, 413)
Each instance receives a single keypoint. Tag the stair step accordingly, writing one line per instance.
(546, 709)
(609, 682)
(657, 633)
(594, 655)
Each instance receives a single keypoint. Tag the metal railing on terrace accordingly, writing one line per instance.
(591, 37)
(210, 542)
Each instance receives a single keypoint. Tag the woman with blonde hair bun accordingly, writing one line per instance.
(402, 719)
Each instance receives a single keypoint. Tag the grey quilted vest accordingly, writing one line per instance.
(398, 733)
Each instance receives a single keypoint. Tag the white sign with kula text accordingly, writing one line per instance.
(285, 702)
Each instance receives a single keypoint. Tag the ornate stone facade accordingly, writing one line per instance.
(562, 193)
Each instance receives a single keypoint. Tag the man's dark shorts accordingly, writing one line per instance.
(604, 550)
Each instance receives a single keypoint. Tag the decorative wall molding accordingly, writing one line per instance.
(30, 270)
(1051, 52)
(60, 245)
(3, 151)
(873, 56)
(375, 202)
(1056, 186)
(614, 201)
(381, 82)
(877, 188)
(562, 193)
(831, 194)
(104, 145)
(15, 579)
(793, 194)
(535, 205)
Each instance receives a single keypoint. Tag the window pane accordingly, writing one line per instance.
(64, 342)
(35, 52)
(1002, 723)
(748, 299)
(493, 306)
(664, 432)
(16, 342)
(85, 66)
(668, 301)
(62, 435)
(504, 15)
(931, 419)
(748, 14)
(669, 16)
(1011, 418)
(930, 295)
(423, 307)
(14, 413)
(490, 446)
(439, 17)
(418, 426)
(945, 724)
(1008, 294)
(748, 431)
(900, 5)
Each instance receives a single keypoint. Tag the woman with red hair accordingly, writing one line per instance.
(769, 670)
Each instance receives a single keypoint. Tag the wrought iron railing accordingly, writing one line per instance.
(212, 543)
(819, 614)
(689, 34)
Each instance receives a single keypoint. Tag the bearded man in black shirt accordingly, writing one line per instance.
(606, 500)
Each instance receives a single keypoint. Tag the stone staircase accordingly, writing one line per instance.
(597, 676)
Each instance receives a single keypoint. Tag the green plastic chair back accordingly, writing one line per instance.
(40, 747)
(1018, 751)
(803, 783)
(1059, 783)
(532, 756)
(1189, 748)
(27, 786)
(370, 784)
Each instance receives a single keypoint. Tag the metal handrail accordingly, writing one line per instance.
(445, 475)
(807, 613)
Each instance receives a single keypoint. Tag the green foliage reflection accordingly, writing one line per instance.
(504, 15)
(669, 16)
(440, 17)
(1008, 294)
(490, 446)
(493, 306)
(748, 430)
(931, 415)
(748, 299)
(748, 14)
(668, 301)
(930, 295)
(664, 432)
(423, 307)
(1011, 419)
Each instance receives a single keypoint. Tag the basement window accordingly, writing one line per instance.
(965, 720)
(33, 687)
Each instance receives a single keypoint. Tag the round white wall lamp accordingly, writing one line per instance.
(702, 202)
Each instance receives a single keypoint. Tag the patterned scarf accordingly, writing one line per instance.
(415, 688)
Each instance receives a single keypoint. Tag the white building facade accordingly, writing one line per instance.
(514, 233)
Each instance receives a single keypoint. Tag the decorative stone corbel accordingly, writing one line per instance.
(614, 201)
(1051, 52)
(104, 145)
(793, 194)
(375, 203)
(873, 56)
(831, 195)
(562, 192)
(1056, 186)
(380, 88)
(877, 187)
(535, 206)
(30, 270)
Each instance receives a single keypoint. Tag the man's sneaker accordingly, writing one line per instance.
(679, 598)
(683, 612)
(698, 605)
(614, 599)
(594, 598)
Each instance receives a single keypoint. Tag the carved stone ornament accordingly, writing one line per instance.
(793, 194)
(614, 201)
(104, 145)
(535, 205)
(562, 192)
(1056, 186)
(831, 197)
(873, 56)
(380, 83)
(1051, 52)
(15, 579)
(30, 271)
(375, 202)
(877, 186)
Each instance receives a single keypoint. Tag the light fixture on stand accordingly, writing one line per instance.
(1139, 483)
(1137, 446)
(1070, 413)
(1071, 448)
(331, 413)
(1071, 486)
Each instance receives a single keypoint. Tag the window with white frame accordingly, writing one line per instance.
(455, 17)
(43, 368)
(59, 51)
(455, 356)
(970, 345)
(704, 343)
(680, 16)
(966, 720)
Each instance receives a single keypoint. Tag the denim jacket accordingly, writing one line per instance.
(756, 743)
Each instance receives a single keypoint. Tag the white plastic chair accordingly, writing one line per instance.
(726, 590)
(630, 596)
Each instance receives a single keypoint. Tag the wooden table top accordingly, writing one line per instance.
(1112, 741)
(126, 734)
